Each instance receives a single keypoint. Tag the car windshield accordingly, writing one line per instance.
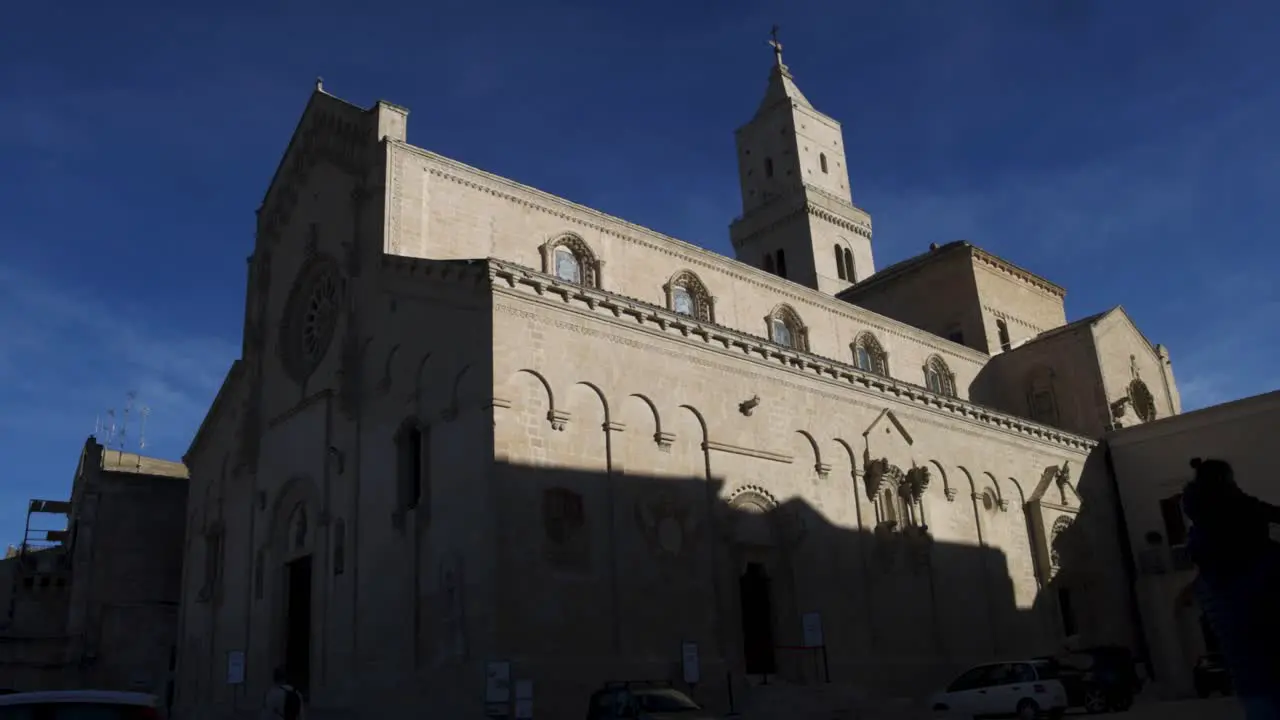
(664, 701)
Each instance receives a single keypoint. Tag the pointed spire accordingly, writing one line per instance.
(782, 87)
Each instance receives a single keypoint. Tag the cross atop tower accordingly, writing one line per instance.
(777, 46)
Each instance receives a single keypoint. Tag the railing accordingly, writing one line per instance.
(817, 654)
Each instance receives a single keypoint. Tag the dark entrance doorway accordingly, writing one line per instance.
(757, 620)
(297, 640)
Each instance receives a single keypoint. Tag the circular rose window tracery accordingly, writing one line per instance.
(311, 318)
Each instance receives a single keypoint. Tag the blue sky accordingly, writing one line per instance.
(1126, 150)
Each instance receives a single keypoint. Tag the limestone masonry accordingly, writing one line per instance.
(477, 431)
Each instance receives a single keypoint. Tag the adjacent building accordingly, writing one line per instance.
(91, 597)
(484, 441)
(1151, 468)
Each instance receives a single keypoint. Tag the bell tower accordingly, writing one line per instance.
(798, 218)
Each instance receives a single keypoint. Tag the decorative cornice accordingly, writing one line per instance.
(509, 278)
(1025, 276)
(775, 214)
(687, 253)
(843, 223)
(1004, 315)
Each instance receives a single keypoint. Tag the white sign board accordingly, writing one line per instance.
(812, 623)
(235, 667)
(524, 700)
(689, 658)
(497, 684)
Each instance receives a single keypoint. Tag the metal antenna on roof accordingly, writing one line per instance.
(109, 429)
(129, 399)
(145, 412)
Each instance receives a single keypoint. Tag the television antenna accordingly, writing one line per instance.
(144, 412)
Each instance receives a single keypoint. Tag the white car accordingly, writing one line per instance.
(79, 705)
(1022, 689)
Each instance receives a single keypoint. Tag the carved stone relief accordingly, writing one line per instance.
(668, 525)
(564, 524)
(1056, 540)
(879, 472)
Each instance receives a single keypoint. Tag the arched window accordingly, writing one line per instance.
(1042, 404)
(688, 296)
(869, 355)
(786, 329)
(569, 258)
(1144, 404)
(889, 505)
(840, 262)
(1002, 329)
(768, 167)
(568, 267)
(848, 266)
(822, 160)
(939, 378)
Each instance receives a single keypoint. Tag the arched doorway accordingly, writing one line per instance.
(759, 543)
(755, 591)
(292, 569)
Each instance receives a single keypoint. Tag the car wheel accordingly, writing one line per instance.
(1095, 700)
(1028, 710)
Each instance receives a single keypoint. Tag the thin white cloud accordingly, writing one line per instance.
(68, 358)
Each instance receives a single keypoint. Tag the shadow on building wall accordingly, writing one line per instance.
(1087, 565)
(608, 576)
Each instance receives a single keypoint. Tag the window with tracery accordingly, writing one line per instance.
(688, 296)
(1144, 403)
(310, 318)
(939, 378)
(869, 356)
(786, 329)
(569, 259)
(844, 263)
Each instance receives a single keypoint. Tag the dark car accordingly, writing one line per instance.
(643, 700)
(1099, 679)
(1211, 676)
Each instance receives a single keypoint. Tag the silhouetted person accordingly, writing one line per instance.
(1239, 582)
(283, 701)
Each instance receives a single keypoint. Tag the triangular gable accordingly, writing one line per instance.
(329, 128)
(888, 416)
(1119, 314)
(229, 382)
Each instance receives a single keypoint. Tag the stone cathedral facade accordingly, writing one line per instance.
(480, 435)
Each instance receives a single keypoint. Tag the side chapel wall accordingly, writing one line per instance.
(802, 444)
